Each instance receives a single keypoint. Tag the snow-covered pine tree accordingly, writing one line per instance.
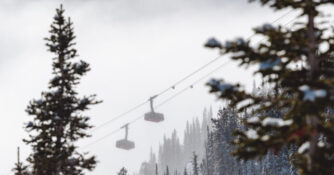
(224, 125)
(306, 92)
(19, 168)
(123, 171)
(58, 120)
(209, 158)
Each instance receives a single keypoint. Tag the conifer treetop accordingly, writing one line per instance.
(58, 120)
(123, 171)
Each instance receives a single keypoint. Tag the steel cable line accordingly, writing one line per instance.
(185, 89)
(162, 92)
(189, 75)
(281, 17)
(193, 84)
(214, 60)
(160, 104)
(173, 86)
(178, 82)
(119, 116)
(102, 138)
(289, 22)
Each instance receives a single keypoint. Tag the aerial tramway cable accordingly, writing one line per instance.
(161, 117)
(172, 87)
(159, 105)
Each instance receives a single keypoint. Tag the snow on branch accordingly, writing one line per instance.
(269, 64)
(264, 27)
(213, 43)
(253, 120)
(305, 146)
(311, 95)
(252, 134)
(221, 85)
(276, 122)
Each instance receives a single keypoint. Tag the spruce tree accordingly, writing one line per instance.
(209, 156)
(58, 121)
(305, 92)
(20, 168)
(123, 171)
(167, 171)
(156, 169)
(195, 164)
(185, 171)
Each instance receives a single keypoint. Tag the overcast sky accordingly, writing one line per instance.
(136, 49)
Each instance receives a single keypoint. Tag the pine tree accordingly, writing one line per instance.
(148, 168)
(123, 171)
(20, 169)
(156, 169)
(195, 164)
(167, 171)
(58, 121)
(305, 93)
(223, 128)
(208, 161)
(185, 171)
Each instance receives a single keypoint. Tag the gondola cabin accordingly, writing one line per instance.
(125, 143)
(153, 116)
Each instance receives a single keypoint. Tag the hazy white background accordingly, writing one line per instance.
(136, 49)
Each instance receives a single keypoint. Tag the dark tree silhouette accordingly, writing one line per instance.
(185, 171)
(195, 164)
(58, 120)
(156, 169)
(167, 171)
(19, 168)
(123, 171)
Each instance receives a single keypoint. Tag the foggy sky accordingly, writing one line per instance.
(136, 49)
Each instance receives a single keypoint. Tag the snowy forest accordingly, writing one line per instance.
(206, 148)
(84, 117)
